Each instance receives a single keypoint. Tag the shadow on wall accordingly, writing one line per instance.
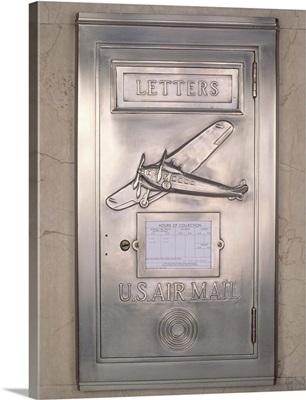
(21, 392)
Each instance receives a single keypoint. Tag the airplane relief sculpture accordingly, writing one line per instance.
(174, 173)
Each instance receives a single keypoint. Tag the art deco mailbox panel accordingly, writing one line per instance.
(176, 201)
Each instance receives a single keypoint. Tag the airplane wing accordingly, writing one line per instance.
(126, 197)
(189, 157)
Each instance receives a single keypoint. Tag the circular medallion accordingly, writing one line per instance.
(178, 329)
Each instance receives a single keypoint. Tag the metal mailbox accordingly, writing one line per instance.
(176, 201)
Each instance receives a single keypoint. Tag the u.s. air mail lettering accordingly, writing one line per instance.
(178, 291)
(195, 88)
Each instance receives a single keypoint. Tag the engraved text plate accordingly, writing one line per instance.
(193, 86)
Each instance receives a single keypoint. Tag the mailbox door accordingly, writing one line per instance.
(223, 309)
(175, 195)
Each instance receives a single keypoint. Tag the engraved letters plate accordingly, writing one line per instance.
(193, 86)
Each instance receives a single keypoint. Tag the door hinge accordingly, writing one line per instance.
(254, 79)
(253, 327)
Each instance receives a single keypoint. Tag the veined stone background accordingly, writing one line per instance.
(53, 209)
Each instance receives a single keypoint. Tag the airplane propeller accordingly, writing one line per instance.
(161, 165)
(137, 182)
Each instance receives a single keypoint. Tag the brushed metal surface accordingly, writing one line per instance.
(172, 325)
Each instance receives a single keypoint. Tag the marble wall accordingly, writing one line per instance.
(52, 180)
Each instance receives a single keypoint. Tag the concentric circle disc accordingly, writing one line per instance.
(178, 329)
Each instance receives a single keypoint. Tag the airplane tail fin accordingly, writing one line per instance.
(240, 189)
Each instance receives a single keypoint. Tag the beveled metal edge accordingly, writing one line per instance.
(176, 384)
(177, 21)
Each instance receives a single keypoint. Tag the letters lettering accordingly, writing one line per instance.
(139, 91)
(190, 88)
(151, 87)
(214, 91)
(165, 87)
(176, 88)
(202, 88)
